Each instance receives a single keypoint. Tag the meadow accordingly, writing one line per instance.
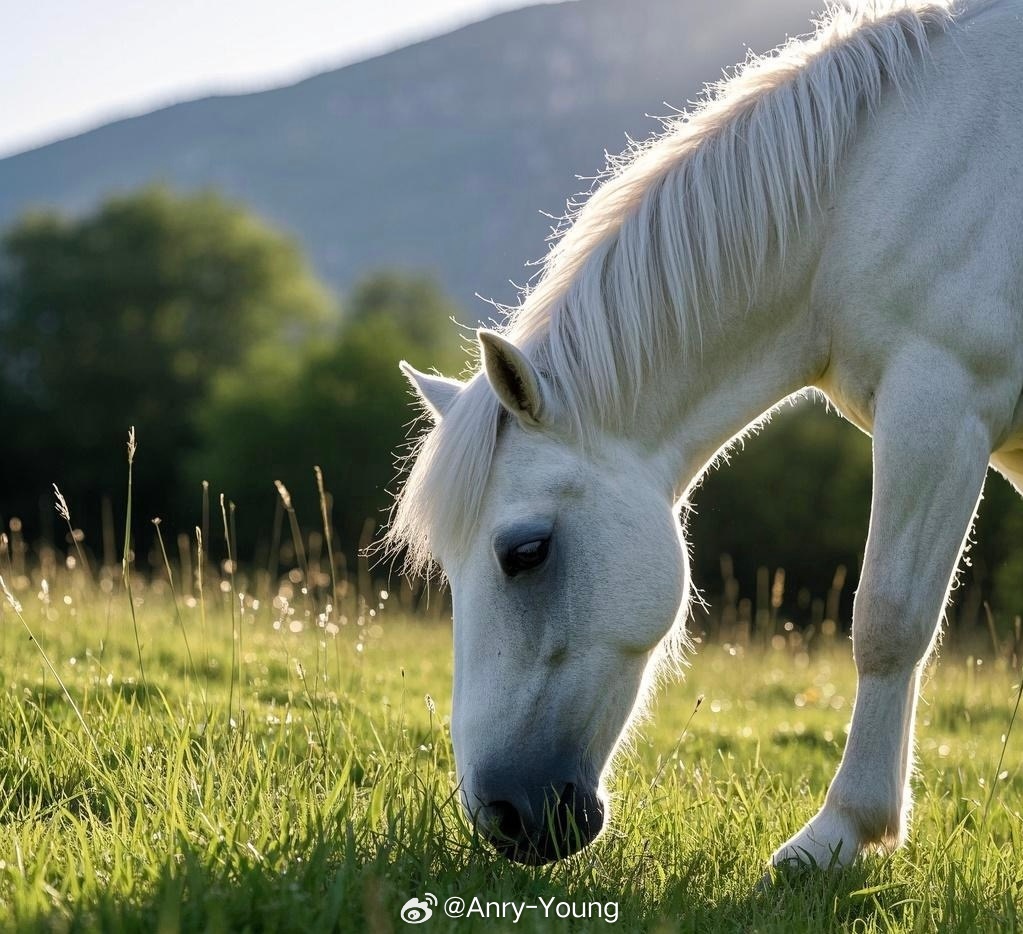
(249, 756)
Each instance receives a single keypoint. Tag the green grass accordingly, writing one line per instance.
(322, 798)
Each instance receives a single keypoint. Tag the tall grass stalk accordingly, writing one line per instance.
(65, 513)
(1001, 756)
(177, 613)
(332, 611)
(126, 564)
(296, 538)
(201, 583)
(328, 536)
(236, 638)
(678, 744)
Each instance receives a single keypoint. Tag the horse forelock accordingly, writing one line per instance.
(445, 484)
(676, 222)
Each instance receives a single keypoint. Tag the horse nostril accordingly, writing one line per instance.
(507, 822)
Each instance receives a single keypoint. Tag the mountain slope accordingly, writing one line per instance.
(439, 156)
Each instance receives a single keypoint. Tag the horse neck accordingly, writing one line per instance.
(752, 356)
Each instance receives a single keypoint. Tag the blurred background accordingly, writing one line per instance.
(224, 224)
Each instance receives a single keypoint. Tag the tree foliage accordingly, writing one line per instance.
(796, 495)
(341, 404)
(123, 317)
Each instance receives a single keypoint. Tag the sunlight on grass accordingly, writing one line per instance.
(310, 785)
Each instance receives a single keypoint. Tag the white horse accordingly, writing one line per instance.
(845, 215)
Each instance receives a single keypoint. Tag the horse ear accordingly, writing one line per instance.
(513, 378)
(437, 393)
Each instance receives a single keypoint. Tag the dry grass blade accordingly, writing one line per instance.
(126, 564)
(65, 513)
(329, 537)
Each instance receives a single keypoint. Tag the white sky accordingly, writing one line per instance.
(69, 65)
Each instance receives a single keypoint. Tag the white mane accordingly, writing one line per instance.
(678, 222)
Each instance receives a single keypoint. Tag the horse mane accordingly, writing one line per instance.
(676, 222)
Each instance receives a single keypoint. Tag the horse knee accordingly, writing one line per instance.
(892, 631)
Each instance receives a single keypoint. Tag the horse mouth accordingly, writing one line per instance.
(571, 821)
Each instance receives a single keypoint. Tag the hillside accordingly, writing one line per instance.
(439, 156)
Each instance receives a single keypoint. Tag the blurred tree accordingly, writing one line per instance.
(123, 318)
(414, 304)
(794, 496)
(340, 403)
(998, 564)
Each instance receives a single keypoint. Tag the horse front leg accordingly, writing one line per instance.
(930, 457)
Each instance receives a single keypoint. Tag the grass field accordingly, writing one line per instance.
(270, 767)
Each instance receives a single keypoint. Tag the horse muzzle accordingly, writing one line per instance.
(539, 824)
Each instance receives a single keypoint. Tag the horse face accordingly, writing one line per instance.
(566, 592)
(574, 578)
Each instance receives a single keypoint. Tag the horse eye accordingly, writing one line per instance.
(525, 557)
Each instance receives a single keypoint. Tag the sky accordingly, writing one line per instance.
(70, 65)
